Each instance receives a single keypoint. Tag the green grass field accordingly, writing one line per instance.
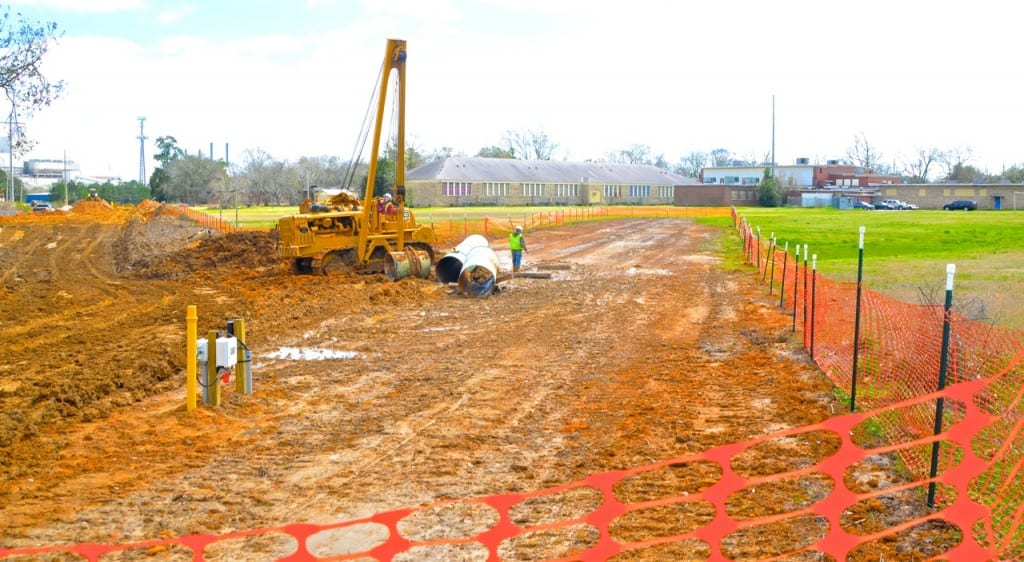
(905, 252)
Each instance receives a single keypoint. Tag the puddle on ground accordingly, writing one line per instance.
(311, 354)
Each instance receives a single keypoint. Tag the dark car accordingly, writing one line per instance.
(863, 205)
(886, 206)
(961, 205)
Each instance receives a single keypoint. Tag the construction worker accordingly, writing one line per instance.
(386, 206)
(517, 245)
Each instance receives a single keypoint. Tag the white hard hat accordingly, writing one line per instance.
(387, 196)
(519, 228)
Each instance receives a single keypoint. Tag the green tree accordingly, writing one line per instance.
(769, 192)
(965, 173)
(22, 46)
(496, 152)
(1014, 174)
(167, 152)
(193, 180)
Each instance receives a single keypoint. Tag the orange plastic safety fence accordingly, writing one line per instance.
(207, 220)
(601, 517)
(898, 359)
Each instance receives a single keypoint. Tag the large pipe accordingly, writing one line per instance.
(449, 268)
(411, 261)
(479, 272)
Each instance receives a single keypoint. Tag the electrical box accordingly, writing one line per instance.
(227, 351)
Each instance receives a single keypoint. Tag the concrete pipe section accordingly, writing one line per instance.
(411, 262)
(449, 268)
(479, 272)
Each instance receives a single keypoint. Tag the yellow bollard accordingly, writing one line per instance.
(243, 374)
(191, 389)
(212, 380)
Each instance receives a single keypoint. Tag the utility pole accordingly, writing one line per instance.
(142, 151)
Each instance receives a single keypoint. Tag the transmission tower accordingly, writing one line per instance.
(142, 151)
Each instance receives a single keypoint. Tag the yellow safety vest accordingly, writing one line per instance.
(515, 241)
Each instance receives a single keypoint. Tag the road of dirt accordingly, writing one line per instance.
(639, 348)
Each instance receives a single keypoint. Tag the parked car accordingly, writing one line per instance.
(42, 207)
(862, 205)
(886, 205)
(896, 204)
(961, 205)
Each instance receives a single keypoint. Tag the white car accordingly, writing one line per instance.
(896, 204)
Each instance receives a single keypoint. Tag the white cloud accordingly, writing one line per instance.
(175, 15)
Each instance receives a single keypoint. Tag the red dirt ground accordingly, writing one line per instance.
(639, 348)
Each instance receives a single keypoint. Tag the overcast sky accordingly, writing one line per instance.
(294, 77)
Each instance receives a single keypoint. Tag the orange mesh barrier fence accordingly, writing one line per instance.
(693, 496)
(204, 219)
(898, 358)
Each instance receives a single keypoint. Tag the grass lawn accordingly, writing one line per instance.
(906, 252)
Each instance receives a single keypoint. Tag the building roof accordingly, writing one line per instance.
(464, 168)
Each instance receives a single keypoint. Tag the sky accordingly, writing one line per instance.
(294, 78)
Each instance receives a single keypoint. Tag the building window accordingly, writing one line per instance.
(456, 188)
(533, 189)
(751, 181)
(496, 189)
(612, 191)
(567, 190)
(731, 180)
(710, 179)
(639, 191)
(666, 191)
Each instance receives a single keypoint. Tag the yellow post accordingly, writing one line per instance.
(242, 380)
(212, 380)
(191, 388)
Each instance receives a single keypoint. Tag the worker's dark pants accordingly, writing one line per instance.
(517, 259)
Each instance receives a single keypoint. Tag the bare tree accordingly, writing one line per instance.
(864, 154)
(956, 159)
(634, 154)
(721, 157)
(920, 166)
(691, 164)
(265, 181)
(530, 145)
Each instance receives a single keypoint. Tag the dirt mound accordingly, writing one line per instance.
(208, 253)
(90, 206)
(144, 244)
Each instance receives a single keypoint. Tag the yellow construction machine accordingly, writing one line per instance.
(368, 235)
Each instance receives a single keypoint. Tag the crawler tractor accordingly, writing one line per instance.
(349, 234)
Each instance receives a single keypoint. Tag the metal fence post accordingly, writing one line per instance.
(943, 366)
(814, 290)
(856, 322)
